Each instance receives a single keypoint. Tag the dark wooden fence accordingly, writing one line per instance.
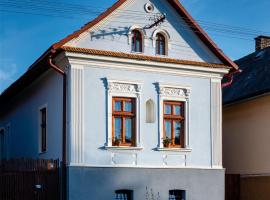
(29, 179)
(232, 187)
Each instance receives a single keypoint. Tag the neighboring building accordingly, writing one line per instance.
(246, 124)
(127, 86)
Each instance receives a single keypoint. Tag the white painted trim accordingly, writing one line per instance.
(173, 92)
(39, 129)
(140, 65)
(167, 40)
(123, 148)
(216, 122)
(143, 166)
(143, 33)
(123, 88)
(77, 113)
(183, 150)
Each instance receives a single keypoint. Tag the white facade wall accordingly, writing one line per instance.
(90, 120)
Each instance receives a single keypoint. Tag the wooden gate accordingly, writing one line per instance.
(29, 179)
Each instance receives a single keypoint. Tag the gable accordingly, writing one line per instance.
(111, 32)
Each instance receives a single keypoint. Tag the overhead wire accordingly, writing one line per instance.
(63, 10)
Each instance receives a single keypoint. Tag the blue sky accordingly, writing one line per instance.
(24, 37)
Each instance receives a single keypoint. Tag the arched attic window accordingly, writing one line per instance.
(160, 44)
(137, 41)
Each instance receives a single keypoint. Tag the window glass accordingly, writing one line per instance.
(123, 195)
(168, 128)
(176, 110)
(43, 127)
(160, 44)
(177, 132)
(168, 109)
(128, 106)
(136, 41)
(177, 195)
(117, 106)
(128, 130)
(117, 127)
(1, 144)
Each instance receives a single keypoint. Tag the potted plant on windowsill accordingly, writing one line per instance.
(167, 142)
(117, 141)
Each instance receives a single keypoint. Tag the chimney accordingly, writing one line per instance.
(262, 42)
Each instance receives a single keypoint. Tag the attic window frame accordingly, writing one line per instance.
(161, 49)
(167, 37)
(137, 39)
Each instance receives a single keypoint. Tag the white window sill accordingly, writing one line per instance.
(185, 150)
(42, 152)
(123, 148)
(137, 52)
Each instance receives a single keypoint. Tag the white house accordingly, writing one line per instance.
(130, 101)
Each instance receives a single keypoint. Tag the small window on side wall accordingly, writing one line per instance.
(123, 195)
(43, 130)
(137, 42)
(2, 143)
(177, 195)
(160, 44)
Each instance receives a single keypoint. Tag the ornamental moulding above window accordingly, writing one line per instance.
(123, 87)
(174, 91)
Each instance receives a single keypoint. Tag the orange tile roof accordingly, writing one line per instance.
(141, 57)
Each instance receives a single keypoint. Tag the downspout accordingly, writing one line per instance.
(229, 76)
(64, 133)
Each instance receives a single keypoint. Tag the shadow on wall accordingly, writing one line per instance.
(113, 32)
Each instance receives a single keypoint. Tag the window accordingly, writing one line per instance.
(136, 41)
(124, 120)
(2, 144)
(160, 44)
(177, 195)
(174, 122)
(127, 95)
(43, 130)
(123, 195)
(173, 108)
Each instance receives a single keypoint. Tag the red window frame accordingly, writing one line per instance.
(160, 49)
(124, 115)
(175, 118)
(136, 38)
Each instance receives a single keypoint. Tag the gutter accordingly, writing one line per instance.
(229, 76)
(64, 117)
